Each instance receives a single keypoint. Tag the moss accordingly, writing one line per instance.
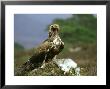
(50, 69)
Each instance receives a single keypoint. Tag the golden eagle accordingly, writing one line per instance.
(46, 51)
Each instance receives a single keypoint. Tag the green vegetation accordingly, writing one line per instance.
(18, 46)
(79, 34)
(78, 29)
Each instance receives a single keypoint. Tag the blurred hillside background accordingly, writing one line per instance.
(78, 31)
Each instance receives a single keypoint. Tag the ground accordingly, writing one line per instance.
(83, 55)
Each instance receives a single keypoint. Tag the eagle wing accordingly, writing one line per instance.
(36, 59)
(45, 51)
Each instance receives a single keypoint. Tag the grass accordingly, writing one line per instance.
(86, 58)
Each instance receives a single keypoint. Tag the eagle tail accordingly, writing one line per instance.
(34, 62)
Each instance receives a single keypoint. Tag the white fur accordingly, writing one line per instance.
(67, 64)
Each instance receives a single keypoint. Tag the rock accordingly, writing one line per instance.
(67, 65)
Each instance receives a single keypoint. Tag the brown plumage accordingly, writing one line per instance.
(45, 51)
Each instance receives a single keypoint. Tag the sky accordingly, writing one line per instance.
(30, 29)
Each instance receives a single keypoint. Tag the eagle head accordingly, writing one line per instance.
(54, 30)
